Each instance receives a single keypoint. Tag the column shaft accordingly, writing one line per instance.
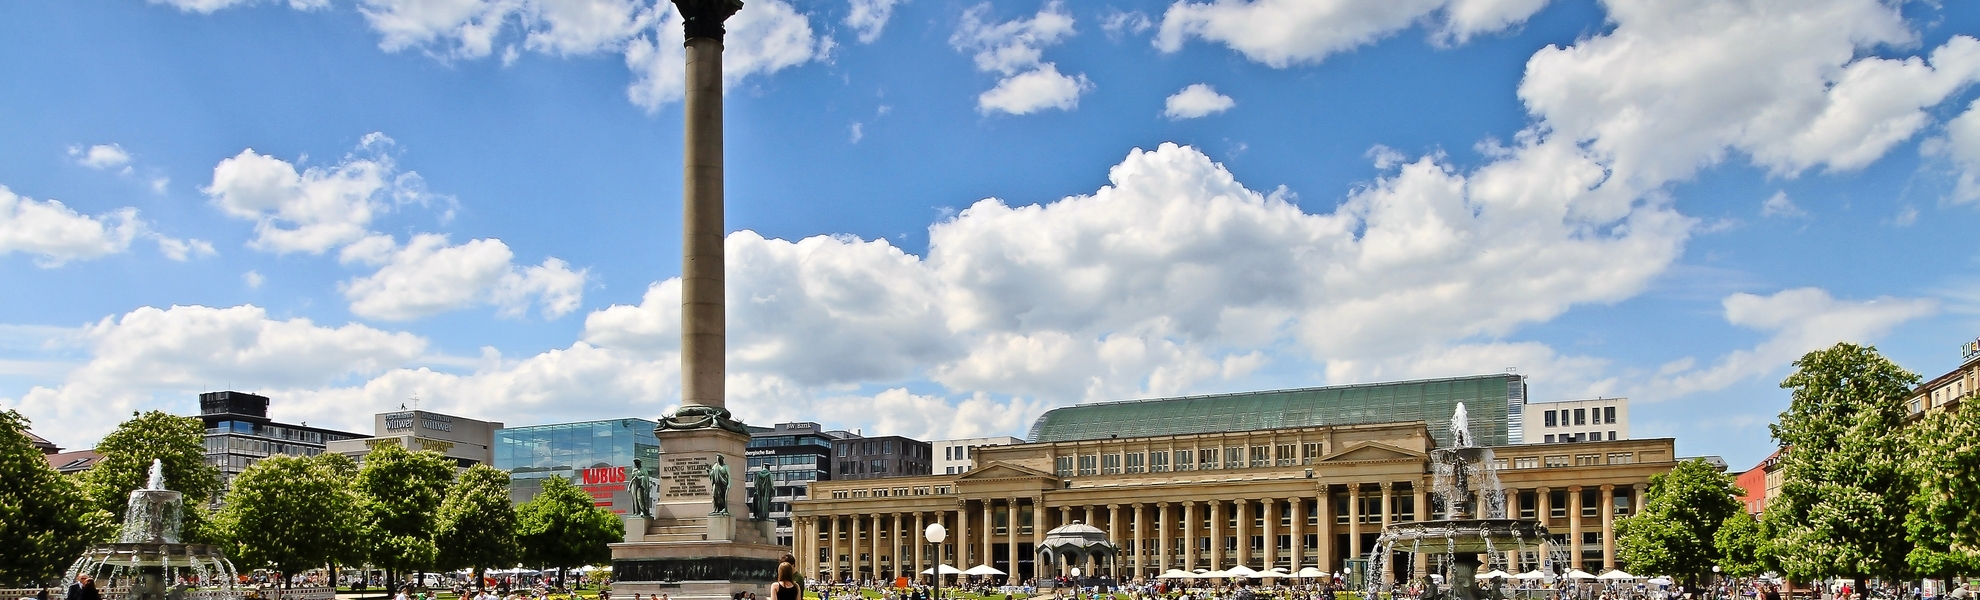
(1241, 510)
(703, 327)
(1298, 516)
(1271, 533)
(1608, 527)
(1011, 539)
(1135, 522)
(1162, 542)
(1574, 525)
(1217, 535)
(1354, 520)
(1325, 530)
(1189, 535)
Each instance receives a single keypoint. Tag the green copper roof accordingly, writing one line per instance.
(1494, 402)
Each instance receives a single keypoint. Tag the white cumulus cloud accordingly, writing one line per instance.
(1282, 33)
(101, 156)
(1962, 144)
(429, 276)
(56, 234)
(1197, 100)
(868, 17)
(1014, 49)
(1799, 321)
(318, 208)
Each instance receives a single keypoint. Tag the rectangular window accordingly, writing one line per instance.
(1550, 418)
(1550, 438)
(1591, 502)
(1286, 457)
(1158, 462)
(948, 453)
(1583, 460)
(1622, 502)
(1526, 504)
(1133, 461)
(1110, 464)
(1234, 457)
(1184, 461)
(1207, 458)
(1088, 464)
(1499, 463)
(1261, 456)
(1526, 462)
(1557, 461)
(1557, 504)
(1609, 415)
(1612, 435)
(941, 490)
(1311, 453)
(1064, 466)
(1620, 458)
(1581, 416)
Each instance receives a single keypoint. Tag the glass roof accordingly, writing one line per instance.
(1486, 397)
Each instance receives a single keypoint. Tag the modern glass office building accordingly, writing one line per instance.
(239, 433)
(596, 455)
(797, 454)
(1496, 404)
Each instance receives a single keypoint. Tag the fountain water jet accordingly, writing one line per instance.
(148, 557)
(1460, 474)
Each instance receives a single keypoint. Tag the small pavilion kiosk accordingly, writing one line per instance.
(1078, 544)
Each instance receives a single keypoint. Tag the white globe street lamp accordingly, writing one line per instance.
(935, 533)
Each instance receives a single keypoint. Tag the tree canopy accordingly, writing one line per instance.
(562, 528)
(42, 514)
(402, 491)
(1678, 529)
(477, 522)
(288, 514)
(1944, 523)
(1845, 488)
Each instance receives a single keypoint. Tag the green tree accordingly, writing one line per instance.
(43, 515)
(562, 528)
(287, 514)
(402, 491)
(1944, 524)
(477, 522)
(1677, 531)
(180, 442)
(349, 544)
(1743, 546)
(1844, 487)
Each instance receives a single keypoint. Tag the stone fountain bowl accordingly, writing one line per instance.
(1466, 535)
(153, 554)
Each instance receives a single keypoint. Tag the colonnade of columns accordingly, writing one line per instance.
(1290, 532)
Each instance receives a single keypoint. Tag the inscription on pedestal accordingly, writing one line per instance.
(685, 476)
(712, 568)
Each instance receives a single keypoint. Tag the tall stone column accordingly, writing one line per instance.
(1114, 536)
(1421, 493)
(1135, 523)
(1039, 521)
(1608, 527)
(838, 529)
(1271, 533)
(1011, 574)
(1325, 530)
(1217, 535)
(989, 533)
(703, 325)
(1636, 498)
(962, 541)
(1354, 520)
(873, 542)
(1241, 510)
(1574, 525)
(1087, 570)
(1388, 515)
(1298, 511)
(894, 559)
(920, 545)
(1163, 541)
(858, 522)
(1189, 535)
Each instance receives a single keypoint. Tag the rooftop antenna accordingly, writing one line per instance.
(415, 401)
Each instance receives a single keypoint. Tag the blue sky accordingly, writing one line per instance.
(951, 216)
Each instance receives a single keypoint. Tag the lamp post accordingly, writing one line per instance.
(935, 533)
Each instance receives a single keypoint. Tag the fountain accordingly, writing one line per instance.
(1461, 475)
(148, 558)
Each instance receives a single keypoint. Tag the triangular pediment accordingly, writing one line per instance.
(1000, 470)
(1371, 451)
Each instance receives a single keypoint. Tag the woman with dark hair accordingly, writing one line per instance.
(786, 587)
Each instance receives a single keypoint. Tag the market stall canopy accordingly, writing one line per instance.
(1310, 572)
(1176, 574)
(946, 570)
(1615, 575)
(1529, 575)
(1579, 574)
(1493, 573)
(983, 570)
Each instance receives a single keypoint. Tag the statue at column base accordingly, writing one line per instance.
(697, 416)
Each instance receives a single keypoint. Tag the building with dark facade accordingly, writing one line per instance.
(797, 454)
(596, 455)
(238, 433)
(884, 456)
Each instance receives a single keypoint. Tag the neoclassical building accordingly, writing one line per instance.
(1177, 493)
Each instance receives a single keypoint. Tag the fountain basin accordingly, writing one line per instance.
(153, 554)
(1466, 535)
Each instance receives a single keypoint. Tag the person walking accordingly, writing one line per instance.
(786, 586)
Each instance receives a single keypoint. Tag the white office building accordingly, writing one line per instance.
(957, 456)
(1600, 419)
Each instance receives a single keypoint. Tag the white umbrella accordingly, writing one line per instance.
(1309, 573)
(1214, 575)
(1492, 573)
(1240, 570)
(1176, 574)
(1660, 581)
(1533, 574)
(1617, 574)
(946, 570)
(983, 570)
(1275, 573)
(1579, 574)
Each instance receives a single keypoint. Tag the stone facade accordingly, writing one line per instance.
(1290, 497)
